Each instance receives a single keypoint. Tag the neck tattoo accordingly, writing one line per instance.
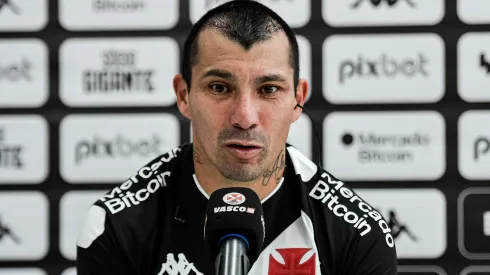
(279, 163)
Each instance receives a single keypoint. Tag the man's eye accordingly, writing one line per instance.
(269, 89)
(219, 88)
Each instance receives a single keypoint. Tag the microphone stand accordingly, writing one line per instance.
(232, 259)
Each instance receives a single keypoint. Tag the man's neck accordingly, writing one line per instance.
(211, 179)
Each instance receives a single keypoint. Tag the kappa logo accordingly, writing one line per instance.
(182, 267)
(292, 266)
(234, 198)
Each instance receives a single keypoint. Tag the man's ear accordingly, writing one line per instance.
(301, 93)
(182, 95)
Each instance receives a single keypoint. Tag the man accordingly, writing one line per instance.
(240, 87)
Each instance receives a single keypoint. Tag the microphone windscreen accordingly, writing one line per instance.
(235, 210)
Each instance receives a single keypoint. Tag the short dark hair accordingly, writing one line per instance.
(244, 21)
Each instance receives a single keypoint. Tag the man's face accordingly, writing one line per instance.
(241, 103)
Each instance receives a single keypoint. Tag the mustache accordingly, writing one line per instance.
(245, 135)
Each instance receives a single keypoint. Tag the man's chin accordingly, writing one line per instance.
(241, 172)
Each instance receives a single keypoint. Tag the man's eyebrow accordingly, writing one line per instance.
(219, 73)
(270, 77)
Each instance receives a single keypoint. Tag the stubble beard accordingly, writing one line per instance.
(231, 168)
(239, 171)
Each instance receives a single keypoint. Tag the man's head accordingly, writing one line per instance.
(240, 85)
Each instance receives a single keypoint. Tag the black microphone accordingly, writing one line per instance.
(234, 229)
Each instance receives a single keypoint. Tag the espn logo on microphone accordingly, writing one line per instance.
(234, 209)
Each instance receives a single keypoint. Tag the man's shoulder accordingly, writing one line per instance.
(145, 183)
(338, 203)
(134, 202)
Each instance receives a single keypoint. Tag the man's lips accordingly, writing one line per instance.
(243, 150)
(243, 145)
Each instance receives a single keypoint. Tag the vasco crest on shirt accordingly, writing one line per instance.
(293, 262)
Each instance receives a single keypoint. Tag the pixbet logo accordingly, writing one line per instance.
(364, 67)
(234, 198)
(16, 72)
(116, 147)
(481, 147)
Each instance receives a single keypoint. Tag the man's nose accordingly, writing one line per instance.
(244, 113)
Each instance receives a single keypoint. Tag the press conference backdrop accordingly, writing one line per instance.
(400, 92)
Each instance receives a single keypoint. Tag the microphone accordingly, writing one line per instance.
(234, 229)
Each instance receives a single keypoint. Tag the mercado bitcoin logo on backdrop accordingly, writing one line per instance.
(296, 13)
(382, 12)
(23, 16)
(23, 226)
(78, 15)
(419, 229)
(474, 145)
(23, 73)
(23, 149)
(118, 72)
(474, 67)
(397, 68)
(102, 148)
(385, 145)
